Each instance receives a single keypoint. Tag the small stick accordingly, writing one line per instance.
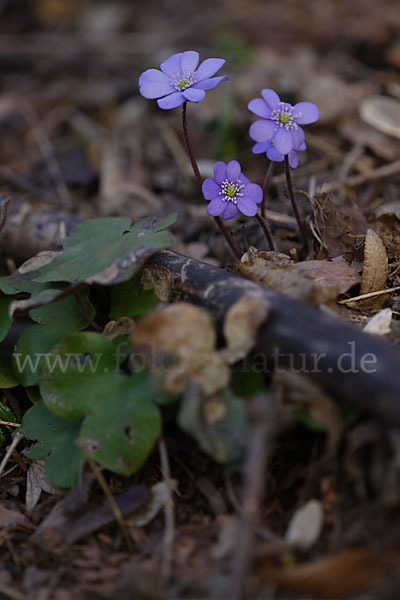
(254, 474)
(294, 203)
(3, 214)
(265, 187)
(110, 498)
(18, 437)
(264, 225)
(86, 314)
(196, 172)
(369, 295)
(356, 180)
(169, 533)
(10, 424)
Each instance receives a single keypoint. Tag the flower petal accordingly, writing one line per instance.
(283, 141)
(189, 61)
(274, 155)
(293, 159)
(172, 66)
(233, 171)
(302, 146)
(262, 130)
(210, 189)
(209, 84)
(247, 207)
(194, 95)
(154, 84)
(252, 192)
(307, 111)
(208, 68)
(216, 207)
(230, 211)
(244, 179)
(259, 108)
(219, 171)
(271, 98)
(297, 137)
(261, 147)
(171, 101)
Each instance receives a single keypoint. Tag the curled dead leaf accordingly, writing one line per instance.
(241, 325)
(286, 279)
(122, 326)
(336, 575)
(158, 279)
(186, 332)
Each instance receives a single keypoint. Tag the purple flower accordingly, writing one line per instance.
(230, 192)
(280, 121)
(270, 150)
(180, 80)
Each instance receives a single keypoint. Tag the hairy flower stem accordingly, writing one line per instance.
(264, 225)
(265, 187)
(196, 172)
(294, 203)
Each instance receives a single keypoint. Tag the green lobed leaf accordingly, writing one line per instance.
(106, 251)
(5, 321)
(57, 321)
(129, 299)
(56, 437)
(7, 378)
(121, 433)
(79, 374)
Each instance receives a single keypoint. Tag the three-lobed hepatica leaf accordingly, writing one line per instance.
(56, 437)
(104, 251)
(113, 415)
(53, 323)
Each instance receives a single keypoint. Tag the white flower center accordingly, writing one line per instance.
(230, 191)
(284, 117)
(182, 81)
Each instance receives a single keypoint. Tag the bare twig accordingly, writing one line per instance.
(86, 314)
(356, 180)
(10, 424)
(369, 295)
(169, 533)
(3, 212)
(255, 468)
(17, 438)
(107, 492)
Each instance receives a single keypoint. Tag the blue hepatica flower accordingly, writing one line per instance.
(280, 121)
(230, 192)
(180, 80)
(270, 150)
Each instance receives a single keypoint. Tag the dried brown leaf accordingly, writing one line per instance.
(376, 268)
(158, 279)
(186, 332)
(336, 575)
(337, 227)
(241, 325)
(37, 482)
(286, 279)
(335, 274)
